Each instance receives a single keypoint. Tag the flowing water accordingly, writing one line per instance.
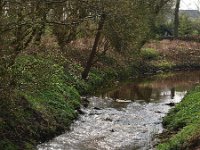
(127, 117)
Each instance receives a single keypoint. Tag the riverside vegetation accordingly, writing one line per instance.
(54, 51)
(182, 124)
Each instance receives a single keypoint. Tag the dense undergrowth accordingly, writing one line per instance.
(183, 124)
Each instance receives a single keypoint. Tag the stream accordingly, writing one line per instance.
(127, 117)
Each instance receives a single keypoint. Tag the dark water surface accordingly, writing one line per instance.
(127, 117)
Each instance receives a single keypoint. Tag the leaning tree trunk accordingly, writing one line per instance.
(176, 18)
(94, 48)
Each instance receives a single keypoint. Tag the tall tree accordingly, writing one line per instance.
(125, 30)
(94, 48)
(176, 18)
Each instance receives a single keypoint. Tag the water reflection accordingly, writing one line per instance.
(156, 88)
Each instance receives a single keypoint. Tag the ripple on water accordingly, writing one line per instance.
(109, 128)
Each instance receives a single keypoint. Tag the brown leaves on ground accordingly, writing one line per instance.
(178, 51)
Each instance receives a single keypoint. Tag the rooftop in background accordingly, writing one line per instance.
(192, 14)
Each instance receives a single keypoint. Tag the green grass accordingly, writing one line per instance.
(42, 104)
(149, 54)
(184, 121)
(164, 64)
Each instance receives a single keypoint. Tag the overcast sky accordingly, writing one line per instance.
(190, 4)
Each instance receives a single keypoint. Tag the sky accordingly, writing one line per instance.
(190, 4)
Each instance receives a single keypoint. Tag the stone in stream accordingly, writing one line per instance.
(156, 123)
(158, 112)
(171, 104)
(91, 114)
(112, 130)
(123, 101)
(81, 112)
(84, 101)
(97, 108)
(108, 119)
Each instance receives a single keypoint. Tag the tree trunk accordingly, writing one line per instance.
(40, 30)
(94, 48)
(176, 18)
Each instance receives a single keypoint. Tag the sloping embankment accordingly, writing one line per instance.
(182, 124)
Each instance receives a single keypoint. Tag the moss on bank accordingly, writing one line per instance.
(183, 123)
(41, 104)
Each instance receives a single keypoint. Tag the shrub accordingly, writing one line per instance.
(149, 54)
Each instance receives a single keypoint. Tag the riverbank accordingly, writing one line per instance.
(182, 124)
(177, 54)
(41, 104)
(46, 96)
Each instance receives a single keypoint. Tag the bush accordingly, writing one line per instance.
(149, 54)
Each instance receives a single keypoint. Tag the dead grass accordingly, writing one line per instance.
(177, 51)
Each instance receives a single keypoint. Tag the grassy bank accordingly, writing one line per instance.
(40, 105)
(182, 124)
